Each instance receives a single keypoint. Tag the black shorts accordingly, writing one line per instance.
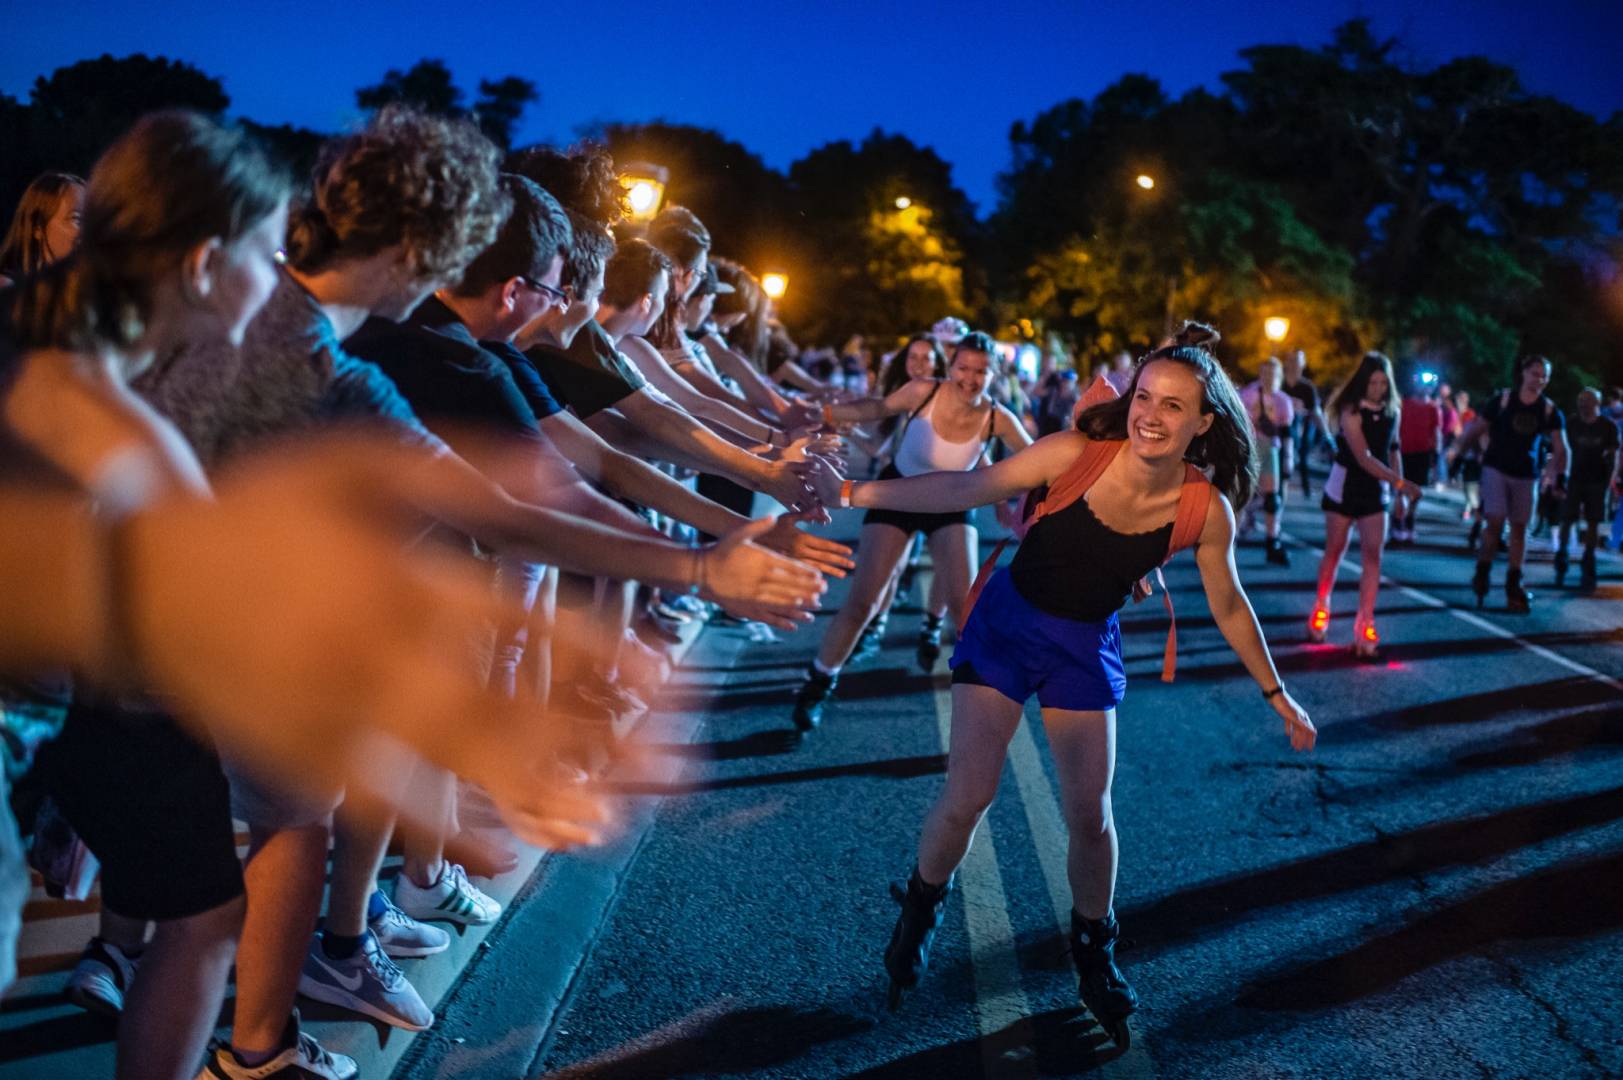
(909, 521)
(152, 804)
(1417, 466)
(1586, 501)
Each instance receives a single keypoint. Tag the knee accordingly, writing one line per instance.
(963, 808)
(1271, 502)
(209, 935)
(1090, 819)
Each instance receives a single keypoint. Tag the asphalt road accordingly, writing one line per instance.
(1436, 891)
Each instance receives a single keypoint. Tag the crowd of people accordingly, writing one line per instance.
(353, 507)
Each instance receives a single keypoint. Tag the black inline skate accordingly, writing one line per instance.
(1518, 601)
(908, 954)
(1588, 574)
(814, 694)
(1100, 983)
(1480, 581)
(929, 643)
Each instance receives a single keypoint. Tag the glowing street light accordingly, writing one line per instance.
(903, 202)
(1146, 181)
(1275, 327)
(645, 188)
(775, 285)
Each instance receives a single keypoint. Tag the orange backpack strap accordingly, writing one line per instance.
(1193, 502)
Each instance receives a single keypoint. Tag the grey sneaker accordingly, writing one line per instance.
(368, 983)
(402, 937)
(303, 1060)
(101, 978)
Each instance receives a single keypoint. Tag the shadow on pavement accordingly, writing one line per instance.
(1555, 737)
(1063, 1042)
(1575, 900)
(766, 743)
(1553, 696)
(1201, 908)
(906, 768)
(746, 1040)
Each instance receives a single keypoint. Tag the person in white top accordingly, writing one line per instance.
(949, 425)
(1271, 411)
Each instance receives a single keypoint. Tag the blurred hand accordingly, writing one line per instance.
(747, 579)
(829, 556)
(289, 618)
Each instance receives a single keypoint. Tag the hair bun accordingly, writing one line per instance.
(1196, 335)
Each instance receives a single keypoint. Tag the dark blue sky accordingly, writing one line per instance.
(783, 76)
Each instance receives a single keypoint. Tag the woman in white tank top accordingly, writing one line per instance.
(950, 424)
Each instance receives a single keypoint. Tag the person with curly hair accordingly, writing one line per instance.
(1123, 490)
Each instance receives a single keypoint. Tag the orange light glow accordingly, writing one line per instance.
(1369, 633)
(1321, 619)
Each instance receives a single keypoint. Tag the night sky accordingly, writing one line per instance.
(784, 77)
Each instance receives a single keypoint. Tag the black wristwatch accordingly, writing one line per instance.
(1269, 695)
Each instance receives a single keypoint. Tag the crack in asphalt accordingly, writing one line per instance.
(1563, 1029)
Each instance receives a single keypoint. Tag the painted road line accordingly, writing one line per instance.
(1472, 619)
(1000, 1000)
(1051, 839)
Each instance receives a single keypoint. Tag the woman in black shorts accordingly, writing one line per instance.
(950, 422)
(1359, 490)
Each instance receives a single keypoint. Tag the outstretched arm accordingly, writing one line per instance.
(1232, 612)
(945, 492)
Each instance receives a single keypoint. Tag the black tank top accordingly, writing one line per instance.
(1071, 565)
(1379, 430)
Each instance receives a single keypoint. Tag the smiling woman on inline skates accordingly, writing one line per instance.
(1126, 488)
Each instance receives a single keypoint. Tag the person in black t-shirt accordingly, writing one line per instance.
(1594, 440)
(1516, 421)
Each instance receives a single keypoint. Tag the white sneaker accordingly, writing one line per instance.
(453, 898)
(368, 983)
(402, 937)
(304, 1060)
(101, 978)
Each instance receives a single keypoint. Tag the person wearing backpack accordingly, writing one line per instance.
(1127, 487)
(1516, 422)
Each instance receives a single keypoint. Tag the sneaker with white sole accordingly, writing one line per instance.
(368, 983)
(101, 978)
(301, 1059)
(453, 898)
(402, 937)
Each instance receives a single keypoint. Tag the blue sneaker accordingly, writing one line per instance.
(368, 983)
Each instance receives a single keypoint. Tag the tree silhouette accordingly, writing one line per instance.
(426, 84)
(500, 106)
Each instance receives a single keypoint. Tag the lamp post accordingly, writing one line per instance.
(645, 189)
(1276, 327)
(1145, 181)
(903, 202)
(775, 285)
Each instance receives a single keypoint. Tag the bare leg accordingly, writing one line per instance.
(434, 792)
(953, 552)
(1518, 544)
(173, 1007)
(1336, 528)
(285, 872)
(1371, 536)
(983, 722)
(879, 556)
(1084, 747)
(1490, 537)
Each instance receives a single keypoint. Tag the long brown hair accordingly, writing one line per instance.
(1225, 449)
(1356, 388)
(23, 250)
(173, 181)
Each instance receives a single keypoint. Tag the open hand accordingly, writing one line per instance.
(1297, 724)
(829, 556)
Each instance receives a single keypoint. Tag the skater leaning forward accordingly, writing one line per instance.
(1123, 490)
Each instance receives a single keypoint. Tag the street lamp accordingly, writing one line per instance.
(645, 188)
(1275, 327)
(1146, 181)
(903, 202)
(775, 285)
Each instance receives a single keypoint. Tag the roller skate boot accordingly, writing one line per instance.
(1518, 601)
(1277, 555)
(1366, 642)
(908, 954)
(1479, 582)
(1318, 625)
(1588, 578)
(869, 640)
(1100, 983)
(813, 696)
(929, 643)
(1561, 564)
